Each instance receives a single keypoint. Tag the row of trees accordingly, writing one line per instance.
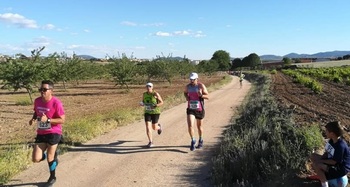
(27, 73)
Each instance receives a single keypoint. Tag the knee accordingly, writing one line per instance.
(36, 160)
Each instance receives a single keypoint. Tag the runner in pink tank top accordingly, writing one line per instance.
(195, 93)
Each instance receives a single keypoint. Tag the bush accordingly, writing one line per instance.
(263, 144)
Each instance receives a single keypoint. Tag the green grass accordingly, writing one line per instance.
(23, 101)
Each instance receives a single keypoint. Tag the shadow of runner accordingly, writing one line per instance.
(119, 148)
(201, 176)
(39, 184)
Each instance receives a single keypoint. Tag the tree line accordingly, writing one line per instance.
(27, 73)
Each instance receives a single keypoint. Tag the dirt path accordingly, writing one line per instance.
(120, 157)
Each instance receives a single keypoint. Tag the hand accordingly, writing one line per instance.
(141, 103)
(32, 121)
(44, 117)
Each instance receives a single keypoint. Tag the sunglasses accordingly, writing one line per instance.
(43, 89)
(149, 86)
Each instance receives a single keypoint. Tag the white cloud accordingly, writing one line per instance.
(159, 33)
(18, 20)
(48, 26)
(182, 33)
(41, 41)
(86, 30)
(197, 34)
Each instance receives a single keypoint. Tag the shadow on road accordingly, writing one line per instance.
(119, 147)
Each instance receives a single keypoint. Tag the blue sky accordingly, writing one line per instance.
(191, 28)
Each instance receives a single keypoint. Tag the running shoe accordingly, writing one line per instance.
(200, 144)
(150, 144)
(50, 182)
(193, 143)
(160, 130)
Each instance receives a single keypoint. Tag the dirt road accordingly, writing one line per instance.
(120, 158)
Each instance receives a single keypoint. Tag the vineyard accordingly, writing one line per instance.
(318, 95)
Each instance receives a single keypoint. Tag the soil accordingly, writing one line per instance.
(120, 157)
(312, 108)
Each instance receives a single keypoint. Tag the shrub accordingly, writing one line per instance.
(263, 144)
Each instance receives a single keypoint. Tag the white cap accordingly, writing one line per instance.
(193, 75)
(149, 84)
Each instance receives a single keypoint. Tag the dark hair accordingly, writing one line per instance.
(335, 127)
(50, 83)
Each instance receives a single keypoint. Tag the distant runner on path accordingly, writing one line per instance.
(195, 93)
(151, 101)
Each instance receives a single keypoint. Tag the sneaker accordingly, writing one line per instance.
(44, 156)
(150, 144)
(160, 130)
(200, 144)
(193, 143)
(50, 182)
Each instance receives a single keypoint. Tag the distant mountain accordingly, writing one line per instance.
(328, 54)
(86, 57)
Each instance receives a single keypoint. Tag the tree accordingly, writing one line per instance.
(123, 70)
(286, 61)
(208, 67)
(236, 63)
(222, 58)
(24, 73)
(254, 60)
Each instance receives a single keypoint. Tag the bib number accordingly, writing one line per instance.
(149, 107)
(44, 125)
(194, 104)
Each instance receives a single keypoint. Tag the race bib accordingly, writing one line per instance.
(194, 104)
(149, 107)
(44, 125)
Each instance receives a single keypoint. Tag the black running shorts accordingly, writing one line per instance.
(197, 114)
(51, 139)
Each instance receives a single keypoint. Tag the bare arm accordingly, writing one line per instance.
(186, 93)
(160, 100)
(205, 93)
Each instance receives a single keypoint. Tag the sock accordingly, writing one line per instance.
(324, 184)
(52, 168)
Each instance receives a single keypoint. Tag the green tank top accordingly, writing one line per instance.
(149, 101)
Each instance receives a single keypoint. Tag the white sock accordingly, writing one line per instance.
(324, 184)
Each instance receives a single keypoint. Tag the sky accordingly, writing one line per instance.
(194, 29)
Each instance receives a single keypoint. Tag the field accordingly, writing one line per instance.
(331, 104)
(85, 99)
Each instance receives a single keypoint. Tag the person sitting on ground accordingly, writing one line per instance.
(335, 162)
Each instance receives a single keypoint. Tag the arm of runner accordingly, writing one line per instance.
(160, 100)
(186, 93)
(205, 93)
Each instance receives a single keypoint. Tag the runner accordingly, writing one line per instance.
(49, 117)
(151, 101)
(241, 77)
(195, 93)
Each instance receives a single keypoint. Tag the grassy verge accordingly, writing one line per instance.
(263, 146)
(14, 159)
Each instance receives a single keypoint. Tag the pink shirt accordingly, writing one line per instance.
(194, 101)
(52, 109)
